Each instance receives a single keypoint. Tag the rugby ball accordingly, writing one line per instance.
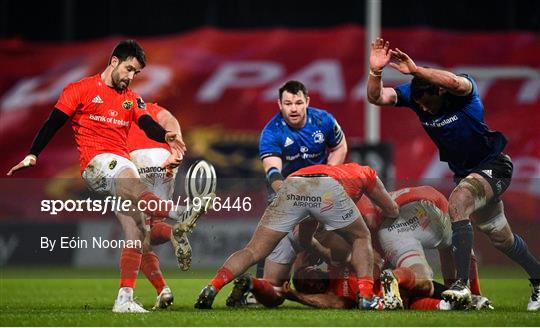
(200, 179)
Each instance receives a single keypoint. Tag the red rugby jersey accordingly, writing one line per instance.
(354, 178)
(101, 116)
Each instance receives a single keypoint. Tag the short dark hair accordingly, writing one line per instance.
(293, 87)
(128, 49)
(419, 87)
(305, 275)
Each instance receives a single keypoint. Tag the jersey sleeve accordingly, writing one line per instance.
(154, 109)
(140, 108)
(403, 92)
(334, 133)
(69, 99)
(370, 177)
(269, 144)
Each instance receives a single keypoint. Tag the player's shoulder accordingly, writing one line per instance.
(318, 113)
(276, 123)
(88, 82)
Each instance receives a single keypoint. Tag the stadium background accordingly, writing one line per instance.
(217, 66)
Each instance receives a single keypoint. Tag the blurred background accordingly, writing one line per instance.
(217, 66)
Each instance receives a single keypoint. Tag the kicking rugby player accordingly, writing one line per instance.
(102, 108)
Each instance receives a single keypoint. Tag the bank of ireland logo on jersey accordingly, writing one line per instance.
(304, 149)
(318, 136)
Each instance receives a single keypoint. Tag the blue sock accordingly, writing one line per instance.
(519, 253)
(462, 242)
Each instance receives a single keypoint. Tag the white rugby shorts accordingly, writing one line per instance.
(420, 225)
(148, 163)
(321, 198)
(101, 172)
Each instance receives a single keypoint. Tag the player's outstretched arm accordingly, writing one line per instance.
(381, 198)
(171, 124)
(378, 59)
(55, 121)
(320, 301)
(338, 153)
(457, 85)
(272, 166)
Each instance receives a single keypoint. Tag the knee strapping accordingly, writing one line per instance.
(476, 188)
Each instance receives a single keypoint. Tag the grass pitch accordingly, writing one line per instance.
(74, 297)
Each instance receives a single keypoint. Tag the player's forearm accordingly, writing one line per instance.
(169, 122)
(338, 154)
(447, 80)
(374, 89)
(151, 128)
(55, 121)
(320, 301)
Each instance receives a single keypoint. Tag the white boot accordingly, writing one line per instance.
(125, 303)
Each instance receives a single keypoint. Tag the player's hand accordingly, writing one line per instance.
(379, 56)
(402, 62)
(172, 162)
(28, 161)
(174, 140)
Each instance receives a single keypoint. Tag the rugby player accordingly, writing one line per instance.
(451, 112)
(102, 108)
(327, 194)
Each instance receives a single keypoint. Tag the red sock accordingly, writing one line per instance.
(160, 233)
(265, 293)
(424, 304)
(150, 268)
(223, 276)
(149, 199)
(405, 277)
(473, 273)
(365, 287)
(130, 261)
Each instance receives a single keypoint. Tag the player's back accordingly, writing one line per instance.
(354, 178)
(423, 215)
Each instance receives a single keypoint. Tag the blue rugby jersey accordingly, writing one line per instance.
(459, 131)
(302, 147)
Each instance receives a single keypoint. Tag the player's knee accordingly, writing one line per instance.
(460, 204)
(502, 240)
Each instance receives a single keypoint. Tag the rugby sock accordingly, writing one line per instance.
(405, 277)
(365, 287)
(223, 276)
(439, 288)
(130, 261)
(519, 253)
(150, 268)
(265, 293)
(462, 241)
(473, 274)
(160, 233)
(424, 304)
(260, 268)
(148, 198)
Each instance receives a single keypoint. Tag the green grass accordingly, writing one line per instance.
(69, 297)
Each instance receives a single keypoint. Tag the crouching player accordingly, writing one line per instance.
(423, 223)
(328, 194)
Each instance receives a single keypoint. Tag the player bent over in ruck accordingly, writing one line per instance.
(327, 194)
